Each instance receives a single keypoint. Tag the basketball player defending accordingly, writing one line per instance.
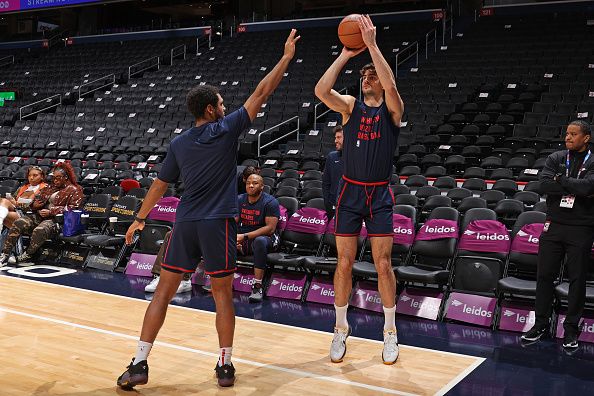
(371, 131)
(205, 158)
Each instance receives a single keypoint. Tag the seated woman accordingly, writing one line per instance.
(11, 208)
(64, 193)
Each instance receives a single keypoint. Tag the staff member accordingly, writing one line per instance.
(332, 172)
(568, 181)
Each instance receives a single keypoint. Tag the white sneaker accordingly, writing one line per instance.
(151, 287)
(12, 259)
(338, 347)
(391, 349)
(184, 286)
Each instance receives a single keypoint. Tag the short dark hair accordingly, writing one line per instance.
(337, 128)
(369, 66)
(248, 171)
(584, 126)
(200, 97)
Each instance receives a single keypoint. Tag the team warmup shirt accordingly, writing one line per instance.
(205, 159)
(370, 139)
(253, 215)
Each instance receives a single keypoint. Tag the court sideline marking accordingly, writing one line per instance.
(442, 391)
(298, 373)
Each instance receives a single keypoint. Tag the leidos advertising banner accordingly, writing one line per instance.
(10, 5)
(16, 5)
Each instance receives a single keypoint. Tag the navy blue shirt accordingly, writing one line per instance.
(370, 139)
(253, 215)
(330, 178)
(205, 158)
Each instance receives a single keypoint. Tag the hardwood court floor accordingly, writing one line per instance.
(57, 340)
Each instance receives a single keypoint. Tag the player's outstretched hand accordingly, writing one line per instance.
(367, 30)
(290, 44)
(135, 226)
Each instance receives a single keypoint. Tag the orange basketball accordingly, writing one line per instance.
(349, 32)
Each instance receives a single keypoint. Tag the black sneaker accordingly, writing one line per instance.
(136, 374)
(534, 334)
(225, 374)
(570, 340)
(257, 293)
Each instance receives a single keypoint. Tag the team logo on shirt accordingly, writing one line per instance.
(250, 217)
(369, 128)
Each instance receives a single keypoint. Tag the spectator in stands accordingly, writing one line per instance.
(64, 193)
(332, 173)
(371, 129)
(184, 286)
(11, 208)
(256, 234)
(568, 181)
(204, 157)
(243, 176)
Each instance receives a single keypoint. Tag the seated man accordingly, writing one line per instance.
(256, 232)
(242, 178)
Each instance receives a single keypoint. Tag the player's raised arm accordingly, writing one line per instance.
(269, 83)
(383, 70)
(342, 104)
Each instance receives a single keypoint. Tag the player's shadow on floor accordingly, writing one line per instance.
(208, 385)
(248, 383)
(274, 375)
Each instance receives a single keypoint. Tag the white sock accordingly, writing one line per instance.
(225, 355)
(256, 281)
(341, 316)
(3, 214)
(390, 318)
(142, 351)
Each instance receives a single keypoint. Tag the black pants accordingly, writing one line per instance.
(561, 240)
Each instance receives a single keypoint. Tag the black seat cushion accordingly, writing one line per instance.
(245, 260)
(364, 268)
(75, 239)
(284, 259)
(516, 285)
(416, 274)
(316, 263)
(104, 240)
(562, 291)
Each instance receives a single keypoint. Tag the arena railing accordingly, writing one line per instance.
(111, 82)
(7, 60)
(445, 28)
(203, 40)
(316, 116)
(49, 99)
(146, 61)
(175, 52)
(296, 130)
(407, 53)
(430, 37)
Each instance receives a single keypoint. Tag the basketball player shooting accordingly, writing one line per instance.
(371, 130)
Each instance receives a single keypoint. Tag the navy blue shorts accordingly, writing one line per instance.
(372, 202)
(215, 241)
